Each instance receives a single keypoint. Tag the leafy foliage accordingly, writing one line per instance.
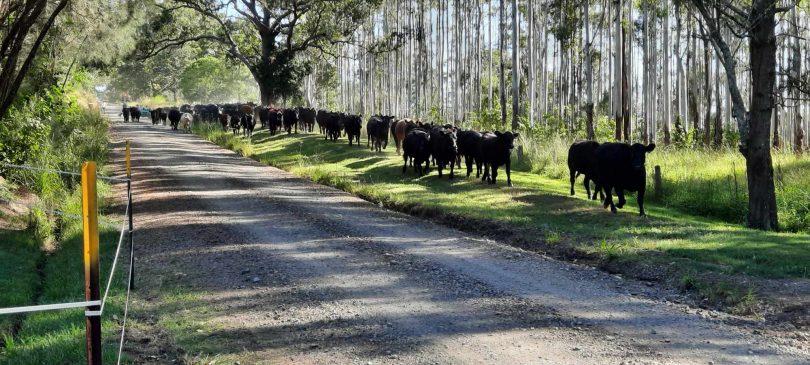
(210, 79)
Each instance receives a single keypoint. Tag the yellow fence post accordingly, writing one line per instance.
(91, 265)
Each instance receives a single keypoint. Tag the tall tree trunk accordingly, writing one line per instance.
(667, 87)
(796, 71)
(762, 52)
(502, 73)
(591, 135)
(754, 123)
(515, 68)
(532, 63)
(707, 122)
(691, 65)
(489, 47)
(627, 74)
(618, 101)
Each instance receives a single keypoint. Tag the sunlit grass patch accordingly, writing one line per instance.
(540, 203)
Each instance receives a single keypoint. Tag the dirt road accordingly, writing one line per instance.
(288, 271)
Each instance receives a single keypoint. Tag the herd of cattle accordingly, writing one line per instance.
(612, 167)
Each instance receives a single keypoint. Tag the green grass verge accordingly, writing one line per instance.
(696, 181)
(668, 238)
(58, 337)
(19, 254)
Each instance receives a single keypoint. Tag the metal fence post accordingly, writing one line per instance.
(91, 264)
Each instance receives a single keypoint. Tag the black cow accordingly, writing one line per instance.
(468, 146)
(290, 120)
(174, 118)
(333, 125)
(274, 121)
(352, 124)
(620, 167)
(264, 116)
(416, 145)
(125, 113)
(248, 124)
(154, 114)
(306, 116)
(236, 121)
(582, 161)
(210, 113)
(377, 130)
(135, 114)
(496, 150)
(443, 148)
(164, 115)
(224, 119)
(321, 118)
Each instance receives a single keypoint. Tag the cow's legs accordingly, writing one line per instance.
(640, 200)
(494, 175)
(405, 166)
(469, 162)
(508, 169)
(609, 198)
(587, 187)
(572, 177)
(620, 194)
(452, 170)
(485, 176)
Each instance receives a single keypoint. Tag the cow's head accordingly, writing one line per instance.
(640, 152)
(507, 139)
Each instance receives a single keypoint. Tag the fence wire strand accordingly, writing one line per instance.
(106, 223)
(61, 172)
(124, 229)
(126, 311)
(114, 263)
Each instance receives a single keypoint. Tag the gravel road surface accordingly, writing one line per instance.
(298, 273)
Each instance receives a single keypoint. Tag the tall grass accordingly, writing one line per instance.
(52, 130)
(709, 183)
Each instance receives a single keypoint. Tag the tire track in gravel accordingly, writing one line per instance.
(302, 273)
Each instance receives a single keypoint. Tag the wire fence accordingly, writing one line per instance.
(124, 231)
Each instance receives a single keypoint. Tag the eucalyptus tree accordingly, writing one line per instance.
(755, 20)
(24, 24)
(502, 65)
(266, 36)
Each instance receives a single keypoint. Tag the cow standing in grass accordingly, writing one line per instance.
(416, 146)
(248, 123)
(306, 117)
(290, 120)
(582, 161)
(224, 120)
(469, 147)
(443, 148)
(353, 124)
(496, 150)
(274, 121)
(621, 167)
(400, 129)
(377, 129)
